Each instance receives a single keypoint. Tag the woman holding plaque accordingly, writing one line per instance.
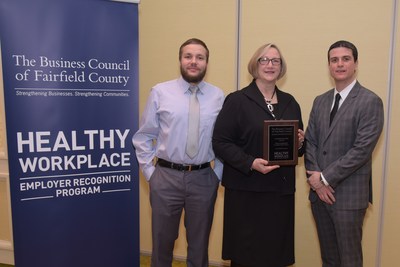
(259, 195)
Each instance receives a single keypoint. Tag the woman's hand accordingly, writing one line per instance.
(300, 134)
(260, 165)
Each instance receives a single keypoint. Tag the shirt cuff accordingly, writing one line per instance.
(323, 180)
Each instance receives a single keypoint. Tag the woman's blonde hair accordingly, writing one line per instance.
(253, 65)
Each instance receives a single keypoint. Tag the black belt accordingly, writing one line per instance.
(182, 167)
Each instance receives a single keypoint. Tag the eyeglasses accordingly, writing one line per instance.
(265, 61)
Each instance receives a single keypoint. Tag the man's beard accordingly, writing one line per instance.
(193, 79)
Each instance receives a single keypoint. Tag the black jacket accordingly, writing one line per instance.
(238, 140)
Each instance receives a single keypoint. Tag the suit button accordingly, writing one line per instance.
(324, 153)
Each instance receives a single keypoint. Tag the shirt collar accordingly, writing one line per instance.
(185, 85)
(345, 92)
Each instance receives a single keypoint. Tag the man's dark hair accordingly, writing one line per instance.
(194, 41)
(345, 44)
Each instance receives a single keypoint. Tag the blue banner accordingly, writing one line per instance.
(70, 73)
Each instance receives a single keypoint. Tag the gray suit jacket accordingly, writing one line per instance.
(343, 151)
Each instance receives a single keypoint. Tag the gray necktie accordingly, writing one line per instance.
(192, 145)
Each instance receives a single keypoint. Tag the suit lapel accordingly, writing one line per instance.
(325, 110)
(348, 102)
(342, 111)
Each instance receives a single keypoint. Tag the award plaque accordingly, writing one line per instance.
(281, 142)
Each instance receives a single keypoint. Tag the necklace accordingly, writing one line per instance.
(269, 105)
(268, 101)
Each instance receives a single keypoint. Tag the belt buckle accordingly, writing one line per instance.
(190, 168)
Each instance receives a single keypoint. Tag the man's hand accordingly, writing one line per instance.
(314, 179)
(325, 193)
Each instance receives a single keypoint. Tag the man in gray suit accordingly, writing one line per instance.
(344, 126)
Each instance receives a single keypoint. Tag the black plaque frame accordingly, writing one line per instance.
(281, 142)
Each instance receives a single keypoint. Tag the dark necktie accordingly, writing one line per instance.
(335, 108)
(192, 145)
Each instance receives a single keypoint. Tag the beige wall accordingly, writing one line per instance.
(391, 208)
(164, 25)
(6, 249)
(303, 30)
